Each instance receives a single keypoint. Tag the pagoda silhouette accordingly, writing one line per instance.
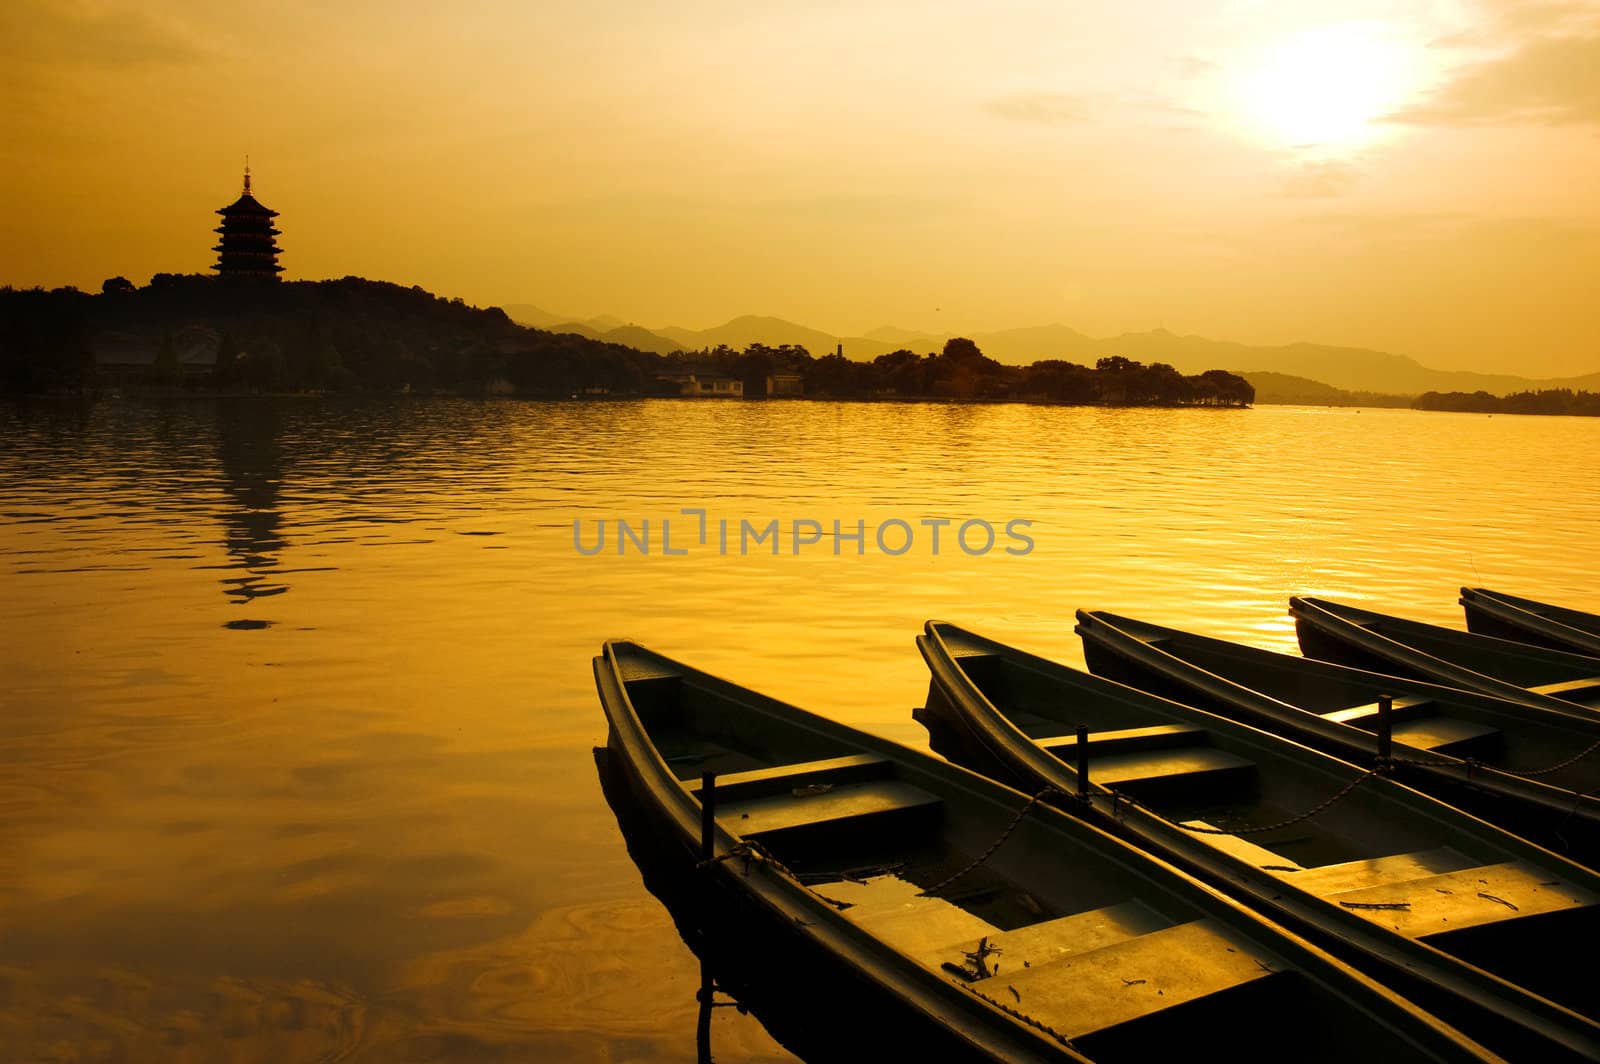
(248, 251)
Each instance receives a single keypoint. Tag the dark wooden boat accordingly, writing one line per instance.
(1517, 672)
(1438, 904)
(948, 915)
(1530, 771)
(1528, 621)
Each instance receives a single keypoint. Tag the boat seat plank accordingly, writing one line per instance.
(1366, 716)
(688, 755)
(1152, 737)
(776, 779)
(1469, 897)
(847, 802)
(1091, 991)
(1191, 763)
(1051, 940)
(1377, 871)
(1572, 690)
(1245, 850)
(1445, 735)
(894, 910)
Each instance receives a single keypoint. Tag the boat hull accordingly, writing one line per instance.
(1528, 621)
(1536, 676)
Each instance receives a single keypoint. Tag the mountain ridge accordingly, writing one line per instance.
(1355, 369)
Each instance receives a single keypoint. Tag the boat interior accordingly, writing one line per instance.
(1048, 927)
(1455, 890)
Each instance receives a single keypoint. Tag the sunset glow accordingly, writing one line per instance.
(1329, 88)
(1244, 171)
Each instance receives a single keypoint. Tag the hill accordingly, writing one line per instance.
(1282, 389)
(1353, 369)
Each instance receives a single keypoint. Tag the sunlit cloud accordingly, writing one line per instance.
(1321, 179)
(1551, 81)
(1051, 109)
(37, 33)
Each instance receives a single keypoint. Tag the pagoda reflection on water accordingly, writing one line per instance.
(248, 250)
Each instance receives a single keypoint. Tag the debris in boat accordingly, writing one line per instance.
(811, 790)
(977, 957)
(1502, 901)
(1376, 904)
(1014, 993)
(1132, 982)
(836, 903)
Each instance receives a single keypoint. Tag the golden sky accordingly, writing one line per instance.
(1418, 177)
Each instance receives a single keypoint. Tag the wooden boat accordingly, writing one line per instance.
(1442, 906)
(1517, 672)
(1528, 621)
(1530, 771)
(947, 914)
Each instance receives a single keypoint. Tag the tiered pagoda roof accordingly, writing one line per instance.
(248, 250)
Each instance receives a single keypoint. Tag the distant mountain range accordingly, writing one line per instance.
(1352, 369)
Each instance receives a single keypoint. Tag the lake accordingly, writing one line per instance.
(297, 711)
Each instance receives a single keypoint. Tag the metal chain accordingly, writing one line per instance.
(1004, 835)
(1573, 760)
(1307, 815)
(1473, 764)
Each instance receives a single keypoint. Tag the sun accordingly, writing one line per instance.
(1328, 88)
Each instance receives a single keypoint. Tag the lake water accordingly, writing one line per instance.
(297, 711)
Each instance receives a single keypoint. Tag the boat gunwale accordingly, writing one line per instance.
(1515, 612)
(1333, 621)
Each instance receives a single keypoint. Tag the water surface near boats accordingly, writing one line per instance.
(297, 711)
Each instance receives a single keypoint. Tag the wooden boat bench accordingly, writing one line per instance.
(1175, 757)
(780, 779)
(852, 792)
(1583, 691)
(1417, 722)
(1365, 717)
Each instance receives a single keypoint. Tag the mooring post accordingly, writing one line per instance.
(1083, 763)
(1385, 730)
(708, 815)
(706, 995)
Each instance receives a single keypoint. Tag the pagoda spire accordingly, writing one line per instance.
(247, 175)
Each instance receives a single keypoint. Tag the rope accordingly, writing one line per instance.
(1307, 815)
(1004, 835)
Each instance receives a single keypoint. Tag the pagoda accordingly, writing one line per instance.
(247, 251)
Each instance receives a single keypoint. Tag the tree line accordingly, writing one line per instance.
(355, 335)
(1547, 401)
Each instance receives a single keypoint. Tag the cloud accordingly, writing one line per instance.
(44, 34)
(1191, 67)
(1051, 109)
(1551, 80)
(1321, 180)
